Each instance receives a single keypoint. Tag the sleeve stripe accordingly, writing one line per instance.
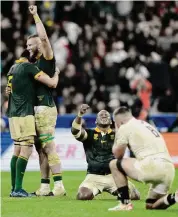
(39, 73)
(48, 58)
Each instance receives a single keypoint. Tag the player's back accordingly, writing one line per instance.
(22, 98)
(144, 140)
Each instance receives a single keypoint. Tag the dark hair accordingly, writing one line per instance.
(121, 110)
(25, 54)
(32, 36)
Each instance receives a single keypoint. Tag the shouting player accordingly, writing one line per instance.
(152, 163)
(97, 144)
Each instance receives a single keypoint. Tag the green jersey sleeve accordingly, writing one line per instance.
(33, 70)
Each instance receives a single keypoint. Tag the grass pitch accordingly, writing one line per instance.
(68, 206)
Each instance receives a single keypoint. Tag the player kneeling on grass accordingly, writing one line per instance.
(21, 80)
(152, 164)
(97, 144)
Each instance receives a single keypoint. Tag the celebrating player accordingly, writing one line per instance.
(45, 112)
(97, 144)
(21, 116)
(152, 164)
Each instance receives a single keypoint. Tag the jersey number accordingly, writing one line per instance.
(152, 130)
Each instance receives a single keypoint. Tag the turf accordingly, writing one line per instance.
(68, 206)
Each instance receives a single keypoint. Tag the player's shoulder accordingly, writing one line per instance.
(51, 59)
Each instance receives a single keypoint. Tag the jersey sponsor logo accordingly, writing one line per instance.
(95, 137)
(40, 97)
(102, 141)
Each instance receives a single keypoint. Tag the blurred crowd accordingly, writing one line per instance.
(110, 53)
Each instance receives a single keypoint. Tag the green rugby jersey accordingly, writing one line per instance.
(44, 93)
(21, 79)
(98, 150)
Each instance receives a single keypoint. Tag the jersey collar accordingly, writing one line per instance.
(99, 131)
(21, 60)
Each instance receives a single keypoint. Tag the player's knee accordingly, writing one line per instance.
(46, 139)
(85, 194)
(53, 159)
(112, 164)
(26, 151)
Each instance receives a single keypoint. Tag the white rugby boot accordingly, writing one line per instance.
(122, 207)
(44, 190)
(59, 189)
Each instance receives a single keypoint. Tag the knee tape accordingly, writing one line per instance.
(119, 166)
(45, 139)
(53, 159)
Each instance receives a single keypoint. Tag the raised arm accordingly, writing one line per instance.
(77, 130)
(46, 46)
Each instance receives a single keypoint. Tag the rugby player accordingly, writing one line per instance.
(45, 112)
(21, 81)
(97, 144)
(152, 163)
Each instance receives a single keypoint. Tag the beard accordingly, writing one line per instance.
(32, 58)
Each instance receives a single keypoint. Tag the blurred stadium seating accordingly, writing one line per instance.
(110, 53)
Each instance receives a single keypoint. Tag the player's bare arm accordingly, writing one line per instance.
(46, 46)
(45, 79)
(77, 130)
(119, 146)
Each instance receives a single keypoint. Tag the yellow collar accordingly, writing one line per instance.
(99, 131)
(21, 60)
(38, 56)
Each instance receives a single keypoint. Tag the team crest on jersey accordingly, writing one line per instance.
(95, 136)
(112, 137)
(40, 97)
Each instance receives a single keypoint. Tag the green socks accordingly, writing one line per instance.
(57, 177)
(20, 170)
(13, 170)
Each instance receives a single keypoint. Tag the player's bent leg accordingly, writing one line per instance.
(166, 201)
(120, 178)
(85, 193)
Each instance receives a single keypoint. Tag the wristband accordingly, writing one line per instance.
(36, 18)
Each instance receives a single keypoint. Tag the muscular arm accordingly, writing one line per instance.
(46, 46)
(120, 144)
(77, 130)
(45, 79)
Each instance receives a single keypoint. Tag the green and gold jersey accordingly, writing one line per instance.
(44, 93)
(98, 150)
(21, 79)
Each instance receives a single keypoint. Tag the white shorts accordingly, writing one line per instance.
(99, 183)
(158, 172)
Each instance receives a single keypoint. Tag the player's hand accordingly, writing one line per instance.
(83, 109)
(8, 90)
(33, 9)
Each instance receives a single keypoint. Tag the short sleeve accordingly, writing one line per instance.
(33, 70)
(121, 137)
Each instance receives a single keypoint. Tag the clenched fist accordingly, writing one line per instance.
(83, 109)
(33, 9)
